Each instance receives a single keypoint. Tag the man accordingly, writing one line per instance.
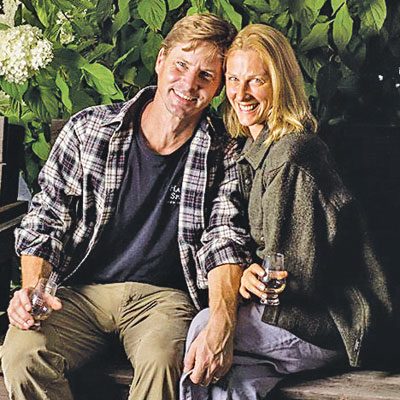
(138, 214)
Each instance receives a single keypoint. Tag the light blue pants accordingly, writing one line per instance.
(263, 355)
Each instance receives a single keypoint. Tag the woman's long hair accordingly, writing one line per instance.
(290, 110)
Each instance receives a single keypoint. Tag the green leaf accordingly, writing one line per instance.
(174, 4)
(153, 12)
(3, 27)
(63, 5)
(100, 50)
(100, 78)
(355, 53)
(192, 10)
(231, 14)
(129, 76)
(82, 4)
(69, 58)
(50, 101)
(306, 11)
(342, 28)
(282, 20)
(318, 37)
(143, 77)
(104, 9)
(150, 49)
(41, 148)
(327, 81)
(336, 4)
(14, 90)
(64, 89)
(124, 57)
(80, 99)
(122, 16)
(43, 11)
(372, 16)
(218, 100)
(279, 6)
(34, 101)
(261, 6)
(310, 65)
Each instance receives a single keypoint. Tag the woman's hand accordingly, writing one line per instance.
(251, 283)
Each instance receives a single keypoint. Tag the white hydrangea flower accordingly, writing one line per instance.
(4, 96)
(23, 51)
(66, 33)
(9, 9)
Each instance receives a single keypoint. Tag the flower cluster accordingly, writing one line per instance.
(66, 33)
(9, 9)
(23, 51)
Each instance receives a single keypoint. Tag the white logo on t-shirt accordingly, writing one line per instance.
(174, 195)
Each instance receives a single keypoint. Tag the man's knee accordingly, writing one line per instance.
(159, 352)
(24, 354)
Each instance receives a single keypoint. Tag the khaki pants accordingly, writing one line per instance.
(151, 323)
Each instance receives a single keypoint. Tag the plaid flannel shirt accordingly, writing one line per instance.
(80, 183)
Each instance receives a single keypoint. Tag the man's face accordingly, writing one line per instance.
(188, 79)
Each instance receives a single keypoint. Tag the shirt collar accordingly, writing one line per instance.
(254, 151)
(144, 95)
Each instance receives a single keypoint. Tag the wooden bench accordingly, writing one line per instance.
(112, 382)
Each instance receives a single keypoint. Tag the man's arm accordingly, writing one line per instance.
(18, 310)
(211, 353)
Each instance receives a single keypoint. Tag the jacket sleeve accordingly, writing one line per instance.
(226, 239)
(46, 226)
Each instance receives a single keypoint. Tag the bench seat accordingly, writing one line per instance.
(112, 382)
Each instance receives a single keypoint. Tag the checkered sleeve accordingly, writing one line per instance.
(226, 238)
(44, 229)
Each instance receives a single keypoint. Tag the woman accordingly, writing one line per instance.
(336, 296)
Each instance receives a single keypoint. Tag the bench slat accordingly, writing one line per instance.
(355, 385)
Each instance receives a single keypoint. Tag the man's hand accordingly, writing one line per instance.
(210, 355)
(20, 306)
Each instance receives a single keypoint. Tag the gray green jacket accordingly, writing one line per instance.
(298, 205)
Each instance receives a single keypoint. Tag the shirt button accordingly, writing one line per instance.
(247, 181)
(262, 238)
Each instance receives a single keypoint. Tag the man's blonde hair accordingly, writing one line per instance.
(290, 109)
(197, 28)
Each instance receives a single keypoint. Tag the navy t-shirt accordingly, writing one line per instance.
(140, 243)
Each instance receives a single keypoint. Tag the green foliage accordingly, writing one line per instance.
(105, 50)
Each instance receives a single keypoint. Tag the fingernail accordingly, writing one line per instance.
(261, 286)
(27, 307)
(264, 296)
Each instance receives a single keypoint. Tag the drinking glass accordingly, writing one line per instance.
(274, 278)
(38, 297)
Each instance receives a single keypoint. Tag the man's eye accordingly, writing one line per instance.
(206, 75)
(180, 64)
(232, 79)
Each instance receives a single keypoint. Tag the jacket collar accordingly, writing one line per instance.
(254, 151)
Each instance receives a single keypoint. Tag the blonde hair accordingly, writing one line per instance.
(290, 109)
(197, 28)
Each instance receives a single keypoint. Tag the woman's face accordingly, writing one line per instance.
(249, 89)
